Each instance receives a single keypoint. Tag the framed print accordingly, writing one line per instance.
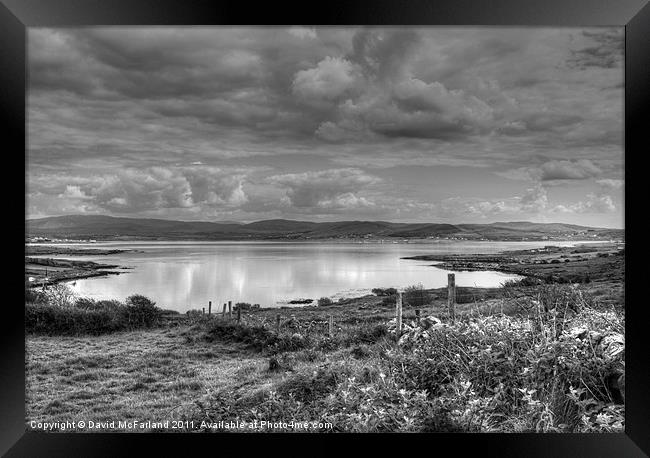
(375, 217)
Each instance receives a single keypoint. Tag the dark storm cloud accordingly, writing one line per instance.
(247, 123)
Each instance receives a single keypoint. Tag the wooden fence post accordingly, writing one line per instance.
(230, 309)
(398, 316)
(277, 323)
(238, 315)
(223, 312)
(209, 307)
(331, 326)
(204, 310)
(451, 296)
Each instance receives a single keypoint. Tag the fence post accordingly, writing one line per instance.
(204, 310)
(277, 323)
(230, 309)
(331, 326)
(238, 314)
(398, 316)
(451, 296)
(209, 307)
(223, 313)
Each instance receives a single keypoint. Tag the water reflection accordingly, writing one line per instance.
(186, 275)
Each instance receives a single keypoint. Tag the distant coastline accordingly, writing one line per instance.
(107, 228)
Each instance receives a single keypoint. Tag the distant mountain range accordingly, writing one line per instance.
(113, 228)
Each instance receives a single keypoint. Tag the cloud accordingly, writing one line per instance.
(603, 48)
(553, 170)
(131, 191)
(534, 200)
(303, 32)
(329, 189)
(594, 203)
(569, 170)
(74, 192)
(383, 52)
(191, 122)
(330, 79)
(609, 183)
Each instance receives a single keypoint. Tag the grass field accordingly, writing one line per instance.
(130, 375)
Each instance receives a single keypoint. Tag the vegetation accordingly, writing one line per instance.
(56, 311)
(245, 306)
(325, 301)
(416, 296)
(549, 368)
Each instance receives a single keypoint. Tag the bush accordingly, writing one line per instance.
(245, 306)
(87, 316)
(54, 320)
(60, 295)
(141, 311)
(416, 296)
(325, 301)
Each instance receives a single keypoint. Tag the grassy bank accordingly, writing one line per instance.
(539, 358)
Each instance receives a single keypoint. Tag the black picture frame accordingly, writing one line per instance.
(634, 15)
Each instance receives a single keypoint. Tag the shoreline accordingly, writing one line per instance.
(561, 263)
(49, 271)
(40, 250)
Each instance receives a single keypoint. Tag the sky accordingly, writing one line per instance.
(409, 124)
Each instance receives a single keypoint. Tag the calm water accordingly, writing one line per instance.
(184, 275)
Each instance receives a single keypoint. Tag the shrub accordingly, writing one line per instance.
(242, 305)
(87, 316)
(60, 295)
(325, 301)
(416, 296)
(55, 320)
(141, 311)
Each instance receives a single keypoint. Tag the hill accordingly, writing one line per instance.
(101, 227)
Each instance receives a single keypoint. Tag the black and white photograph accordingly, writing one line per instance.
(317, 229)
